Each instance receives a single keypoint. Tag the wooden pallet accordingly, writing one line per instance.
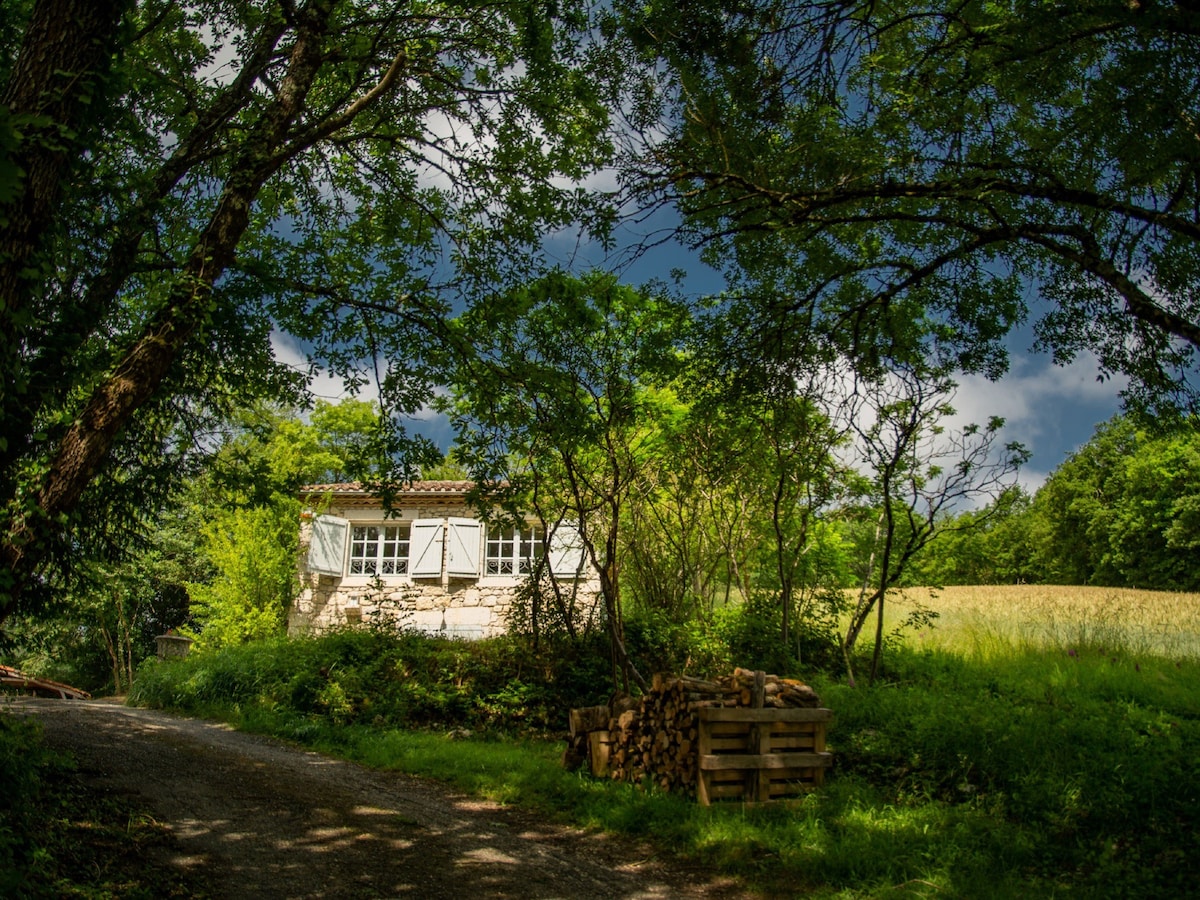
(756, 755)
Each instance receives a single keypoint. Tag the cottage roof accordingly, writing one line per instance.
(356, 488)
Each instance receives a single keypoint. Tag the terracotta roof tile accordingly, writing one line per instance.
(413, 487)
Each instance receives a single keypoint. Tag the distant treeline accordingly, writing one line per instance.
(1122, 511)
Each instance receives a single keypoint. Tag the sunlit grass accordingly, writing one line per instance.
(994, 621)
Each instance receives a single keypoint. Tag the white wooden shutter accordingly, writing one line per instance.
(465, 536)
(425, 548)
(566, 551)
(327, 550)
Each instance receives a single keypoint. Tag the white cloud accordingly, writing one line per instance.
(1050, 409)
(322, 384)
(326, 386)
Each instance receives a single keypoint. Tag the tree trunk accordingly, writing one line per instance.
(64, 58)
(144, 367)
(65, 54)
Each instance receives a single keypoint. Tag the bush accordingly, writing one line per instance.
(22, 757)
(752, 634)
(370, 676)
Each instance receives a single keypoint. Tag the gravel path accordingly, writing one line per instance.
(254, 817)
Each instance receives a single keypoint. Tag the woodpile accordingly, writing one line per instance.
(656, 740)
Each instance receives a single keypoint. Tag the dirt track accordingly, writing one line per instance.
(256, 818)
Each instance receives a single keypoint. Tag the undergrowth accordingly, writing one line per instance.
(1052, 770)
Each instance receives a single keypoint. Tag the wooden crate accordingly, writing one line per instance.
(756, 755)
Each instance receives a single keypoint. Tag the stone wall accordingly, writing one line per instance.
(462, 608)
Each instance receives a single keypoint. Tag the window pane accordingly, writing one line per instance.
(379, 550)
(512, 551)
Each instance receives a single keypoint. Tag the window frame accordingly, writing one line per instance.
(359, 539)
(513, 539)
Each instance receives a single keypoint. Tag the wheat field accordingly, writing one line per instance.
(989, 619)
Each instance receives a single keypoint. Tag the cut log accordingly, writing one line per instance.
(599, 747)
(588, 718)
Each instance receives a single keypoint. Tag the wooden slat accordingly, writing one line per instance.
(726, 791)
(726, 761)
(730, 745)
(798, 742)
(10, 677)
(736, 714)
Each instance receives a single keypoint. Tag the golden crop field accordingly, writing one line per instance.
(992, 618)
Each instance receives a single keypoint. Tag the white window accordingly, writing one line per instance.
(379, 550)
(513, 551)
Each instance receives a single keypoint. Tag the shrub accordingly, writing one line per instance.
(22, 758)
(752, 634)
(400, 679)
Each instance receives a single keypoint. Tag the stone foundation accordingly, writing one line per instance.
(462, 609)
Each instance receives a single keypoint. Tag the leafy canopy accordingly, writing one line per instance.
(912, 181)
(180, 181)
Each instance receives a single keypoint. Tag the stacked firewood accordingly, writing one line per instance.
(654, 739)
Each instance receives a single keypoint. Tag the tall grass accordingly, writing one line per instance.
(998, 620)
(1036, 743)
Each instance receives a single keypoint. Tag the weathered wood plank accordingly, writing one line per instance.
(587, 718)
(728, 761)
(735, 714)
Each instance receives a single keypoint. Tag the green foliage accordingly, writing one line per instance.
(104, 624)
(218, 560)
(750, 632)
(898, 182)
(378, 677)
(992, 545)
(22, 759)
(1120, 512)
(554, 408)
(253, 552)
(144, 280)
(1035, 738)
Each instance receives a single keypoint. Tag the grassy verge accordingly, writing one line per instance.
(60, 839)
(1045, 770)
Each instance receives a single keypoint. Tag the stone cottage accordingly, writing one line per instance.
(429, 561)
